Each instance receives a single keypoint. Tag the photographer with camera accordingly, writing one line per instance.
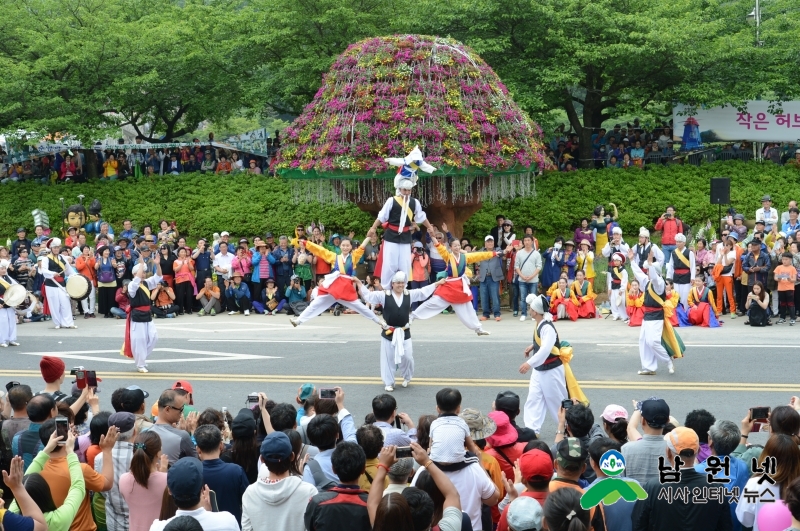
(669, 225)
(420, 269)
(237, 295)
(296, 296)
(163, 298)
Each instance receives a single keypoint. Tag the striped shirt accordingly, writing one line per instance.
(117, 518)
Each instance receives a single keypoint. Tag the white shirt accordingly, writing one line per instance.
(671, 265)
(547, 338)
(473, 485)
(747, 511)
(770, 217)
(731, 259)
(448, 435)
(224, 261)
(419, 215)
(221, 521)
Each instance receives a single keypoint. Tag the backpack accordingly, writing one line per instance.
(322, 482)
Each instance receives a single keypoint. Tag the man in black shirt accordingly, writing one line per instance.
(681, 504)
(508, 403)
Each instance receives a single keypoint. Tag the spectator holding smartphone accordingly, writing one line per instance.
(756, 306)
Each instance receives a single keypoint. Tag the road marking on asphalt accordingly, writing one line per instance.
(208, 356)
(265, 341)
(699, 345)
(443, 382)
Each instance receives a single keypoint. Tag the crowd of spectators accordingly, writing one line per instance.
(167, 463)
(634, 145)
(118, 164)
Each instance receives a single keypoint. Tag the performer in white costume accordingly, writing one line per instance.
(8, 314)
(617, 286)
(681, 269)
(140, 330)
(396, 348)
(398, 216)
(548, 387)
(55, 270)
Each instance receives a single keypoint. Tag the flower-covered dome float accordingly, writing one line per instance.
(385, 95)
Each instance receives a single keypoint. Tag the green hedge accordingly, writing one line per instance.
(247, 205)
(562, 199)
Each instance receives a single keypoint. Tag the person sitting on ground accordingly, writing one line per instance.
(280, 502)
(191, 496)
(163, 298)
(343, 507)
(209, 298)
(237, 294)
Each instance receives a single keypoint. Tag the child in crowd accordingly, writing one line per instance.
(786, 275)
(634, 303)
(449, 427)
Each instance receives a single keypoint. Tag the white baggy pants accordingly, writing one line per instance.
(618, 304)
(60, 306)
(323, 302)
(546, 392)
(651, 351)
(8, 325)
(143, 341)
(89, 302)
(388, 366)
(396, 257)
(435, 305)
(683, 293)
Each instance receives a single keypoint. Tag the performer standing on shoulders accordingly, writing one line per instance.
(140, 331)
(656, 333)
(338, 285)
(455, 291)
(681, 269)
(617, 287)
(8, 314)
(55, 270)
(398, 215)
(551, 374)
(396, 348)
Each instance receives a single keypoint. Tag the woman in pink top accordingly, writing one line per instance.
(143, 487)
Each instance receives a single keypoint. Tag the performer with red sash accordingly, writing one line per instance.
(55, 270)
(702, 311)
(140, 331)
(635, 301)
(657, 339)
(561, 305)
(583, 296)
(455, 291)
(398, 216)
(338, 285)
(681, 269)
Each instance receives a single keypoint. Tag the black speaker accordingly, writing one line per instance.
(721, 191)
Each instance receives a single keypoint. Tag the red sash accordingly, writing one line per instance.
(396, 228)
(126, 347)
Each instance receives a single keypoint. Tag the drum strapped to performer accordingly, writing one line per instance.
(78, 287)
(14, 295)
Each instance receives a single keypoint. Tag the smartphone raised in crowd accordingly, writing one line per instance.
(403, 451)
(567, 403)
(80, 378)
(91, 379)
(759, 416)
(327, 393)
(62, 429)
(252, 398)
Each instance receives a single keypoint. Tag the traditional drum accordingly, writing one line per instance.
(14, 295)
(78, 287)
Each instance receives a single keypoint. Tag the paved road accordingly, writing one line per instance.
(726, 370)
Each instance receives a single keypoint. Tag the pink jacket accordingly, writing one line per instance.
(242, 265)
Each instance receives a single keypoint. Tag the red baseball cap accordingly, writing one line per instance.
(536, 463)
(185, 386)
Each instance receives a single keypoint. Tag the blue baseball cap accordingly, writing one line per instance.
(276, 447)
(185, 478)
